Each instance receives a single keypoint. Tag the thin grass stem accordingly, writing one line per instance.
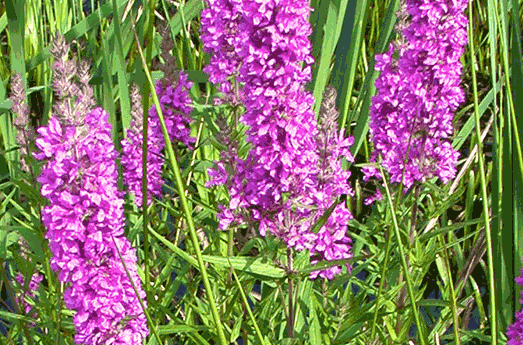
(185, 206)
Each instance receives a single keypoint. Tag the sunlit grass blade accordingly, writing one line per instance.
(328, 34)
(360, 110)
(348, 52)
(482, 176)
(181, 190)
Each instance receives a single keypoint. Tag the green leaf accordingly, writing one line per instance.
(252, 266)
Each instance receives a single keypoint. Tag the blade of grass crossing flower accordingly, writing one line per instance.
(185, 206)
(410, 288)
(148, 37)
(246, 304)
(324, 217)
(488, 235)
(152, 326)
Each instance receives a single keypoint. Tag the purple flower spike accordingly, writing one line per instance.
(292, 173)
(132, 160)
(418, 91)
(176, 107)
(85, 229)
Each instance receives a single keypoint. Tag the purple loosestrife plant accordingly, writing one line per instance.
(84, 224)
(175, 102)
(332, 242)
(173, 94)
(418, 92)
(132, 153)
(278, 113)
(32, 286)
(25, 136)
(279, 184)
(176, 107)
(84, 218)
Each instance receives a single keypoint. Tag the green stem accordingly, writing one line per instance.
(403, 257)
(488, 235)
(382, 285)
(290, 321)
(452, 292)
(246, 303)
(12, 296)
(185, 206)
(149, 319)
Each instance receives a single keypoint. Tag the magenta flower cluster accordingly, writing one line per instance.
(32, 286)
(132, 166)
(176, 107)
(223, 38)
(515, 330)
(265, 46)
(418, 92)
(85, 229)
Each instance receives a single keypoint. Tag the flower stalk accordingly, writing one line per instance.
(84, 220)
